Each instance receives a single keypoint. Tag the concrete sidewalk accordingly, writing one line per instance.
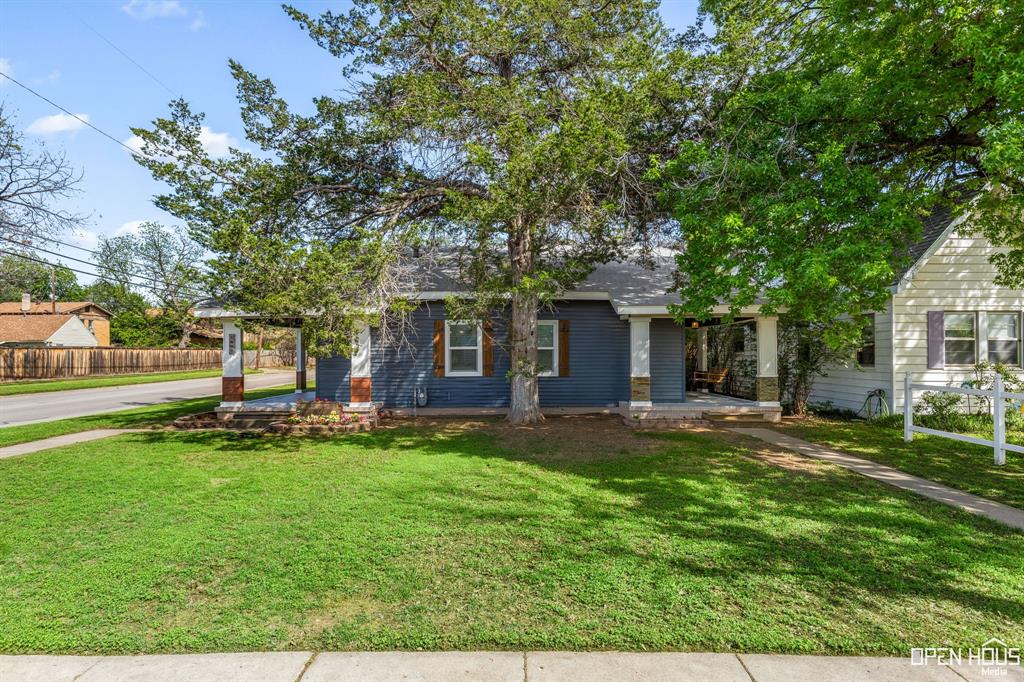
(1011, 516)
(499, 666)
(60, 441)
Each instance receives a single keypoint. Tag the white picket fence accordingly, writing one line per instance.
(998, 399)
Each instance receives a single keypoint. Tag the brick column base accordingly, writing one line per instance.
(300, 380)
(361, 390)
(767, 389)
(640, 389)
(232, 389)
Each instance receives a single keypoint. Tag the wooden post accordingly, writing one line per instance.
(360, 374)
(232, 364)
(998, 421)
(640, 362)
(767, 386)
(702, 353)
(908, 408)
(300, 362)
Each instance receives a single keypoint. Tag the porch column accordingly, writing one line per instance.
(702, 353)
(361, 381)
(300, 362)
(640, 362)
(232, 375)
(768, 361)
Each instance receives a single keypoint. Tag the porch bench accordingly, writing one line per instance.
(711, 377)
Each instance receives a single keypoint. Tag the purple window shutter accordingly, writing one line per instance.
(936, 340)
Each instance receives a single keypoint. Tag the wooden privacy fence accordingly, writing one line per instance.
(60, 362)
(997, 395)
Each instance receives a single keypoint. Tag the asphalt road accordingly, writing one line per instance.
(44, 407)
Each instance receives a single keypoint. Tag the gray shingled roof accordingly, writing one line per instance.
(932, 228)
(626, 283)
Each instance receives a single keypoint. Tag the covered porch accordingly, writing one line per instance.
(651, 369)
(233, 400)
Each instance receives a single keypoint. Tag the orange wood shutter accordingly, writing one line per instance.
(438, 348)
(488, 349)
(563, 348)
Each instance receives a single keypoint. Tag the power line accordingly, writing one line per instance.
(52, 240)
(149, 287)
(72, 115)
(128, 57)
(145, 287)
(134, 152)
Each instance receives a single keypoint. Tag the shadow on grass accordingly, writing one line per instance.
(842, 538)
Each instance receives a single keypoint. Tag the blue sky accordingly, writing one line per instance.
(60, 49)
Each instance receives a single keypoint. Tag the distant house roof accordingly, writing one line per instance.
(46, 308)
(30, 328)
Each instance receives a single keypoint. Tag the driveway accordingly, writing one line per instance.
(43, 407)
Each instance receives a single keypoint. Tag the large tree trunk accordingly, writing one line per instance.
(524, 404)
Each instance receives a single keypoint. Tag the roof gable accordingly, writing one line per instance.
(31, 328)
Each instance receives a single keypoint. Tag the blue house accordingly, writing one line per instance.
(611, 345)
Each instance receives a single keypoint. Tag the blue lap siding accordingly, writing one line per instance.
(598, 364)
(667, 362)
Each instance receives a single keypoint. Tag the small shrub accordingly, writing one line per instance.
(941, 408)
(829, 410)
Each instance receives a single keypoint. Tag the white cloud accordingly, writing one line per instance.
(150, 9)
(58, 123)
(6, 67)
(198, 21)
(51, 77)
(131, 227)
(86, 238)
(215, 144)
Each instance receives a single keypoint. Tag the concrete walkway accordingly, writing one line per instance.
(1011, 516)
(497, 666)
(59, 441)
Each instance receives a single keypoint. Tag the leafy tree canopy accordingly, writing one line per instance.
(163, 264)
(19, 275)
(830, 129)
(511, 137)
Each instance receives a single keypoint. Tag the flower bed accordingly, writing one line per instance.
(332, 422)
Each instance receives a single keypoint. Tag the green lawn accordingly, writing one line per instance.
(578, 534)
(961, 465)
(21, 387)
(142, 417)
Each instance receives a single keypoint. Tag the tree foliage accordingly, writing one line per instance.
(510, 140)
(828, 130)
(19, 276)
(163, 264)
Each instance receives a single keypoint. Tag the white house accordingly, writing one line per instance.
(46, 330)
(945, 315)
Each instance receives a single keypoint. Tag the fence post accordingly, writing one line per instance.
(908, 408)
(998, 420)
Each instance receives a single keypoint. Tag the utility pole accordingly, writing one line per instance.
(53, 289)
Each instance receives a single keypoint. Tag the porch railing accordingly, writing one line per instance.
(998, 397)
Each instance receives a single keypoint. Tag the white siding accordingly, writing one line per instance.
(957, 277)
(848, 385)
(73, 333)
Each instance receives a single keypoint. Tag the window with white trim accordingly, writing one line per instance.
(1004, 338)
(961, 338)
(463, 349)
(866, 354)
(547, 348)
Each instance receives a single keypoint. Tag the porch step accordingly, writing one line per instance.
(734, 417)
